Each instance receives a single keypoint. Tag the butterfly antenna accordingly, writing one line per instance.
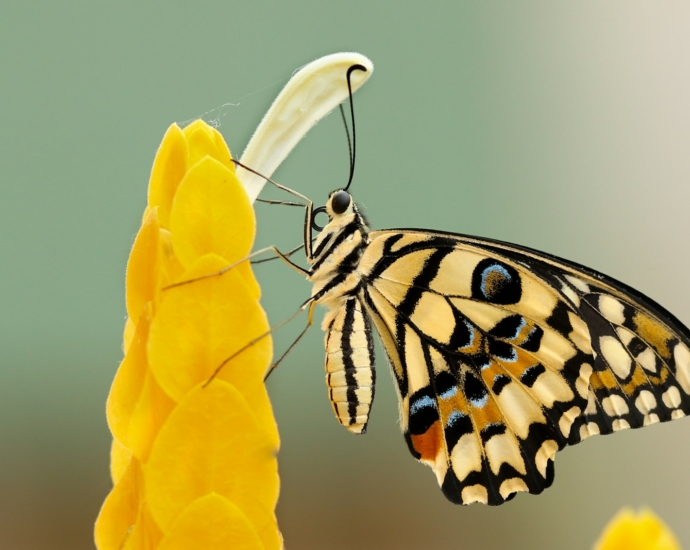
(353, 149)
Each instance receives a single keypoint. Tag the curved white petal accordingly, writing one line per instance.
(312, 92)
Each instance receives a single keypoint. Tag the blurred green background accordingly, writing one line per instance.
(561, 126)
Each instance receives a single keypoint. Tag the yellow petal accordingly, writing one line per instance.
(211, 215)
(245, 271)
(195, 126)
(204, 140)
(212, 522)
(129, 381)
(120, 509)
(145, 534)
(150, 413)
(254, 391)
(641, 531)
(201, 324)
(212, 443)
(224, 155)
(128, 334)
(120, 457)
(143, 267)
(167, 172)
(171, 268)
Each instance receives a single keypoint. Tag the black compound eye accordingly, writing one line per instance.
(340, 201)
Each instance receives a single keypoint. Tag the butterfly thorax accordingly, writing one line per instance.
(336, 255)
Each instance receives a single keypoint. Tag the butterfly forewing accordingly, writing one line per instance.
(502, 356)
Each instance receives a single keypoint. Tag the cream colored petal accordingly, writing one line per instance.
(312, 92)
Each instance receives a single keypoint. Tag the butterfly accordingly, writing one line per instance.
(502, 355)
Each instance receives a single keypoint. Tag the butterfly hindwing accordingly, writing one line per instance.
(503, 355)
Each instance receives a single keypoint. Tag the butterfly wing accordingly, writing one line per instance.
(504, 355)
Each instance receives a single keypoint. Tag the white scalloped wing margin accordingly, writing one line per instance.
(312, 92)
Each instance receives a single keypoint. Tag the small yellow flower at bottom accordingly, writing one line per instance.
(641, 531)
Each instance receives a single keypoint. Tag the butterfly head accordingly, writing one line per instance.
(340, 209)
(339, 203)
(345, 221)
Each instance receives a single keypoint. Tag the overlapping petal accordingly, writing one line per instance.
(197, 313)
(120, 509)
(168, 170)
(206, 198)
(214, 431)
(201, 525)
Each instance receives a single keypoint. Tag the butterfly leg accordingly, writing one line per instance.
(310, 322)
(309, 207)
(279, 254)
(284, 203)
(308, 304)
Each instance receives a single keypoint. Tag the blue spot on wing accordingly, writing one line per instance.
(530, 375)
(509, 328)
(496, 282)
(450, 392)
(464, 334)
(480, 402)
(500, 382)
(475, 391)
(453, 418)
(472, 332)
(520, 327)
(488, 271)
(422, 403)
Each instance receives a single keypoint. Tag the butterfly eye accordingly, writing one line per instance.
(340, 201)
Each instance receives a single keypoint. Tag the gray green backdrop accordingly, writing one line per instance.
(560, 126)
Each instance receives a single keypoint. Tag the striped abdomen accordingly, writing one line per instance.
(350, 374)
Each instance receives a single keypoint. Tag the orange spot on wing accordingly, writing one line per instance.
(477, 345)
(638, 379)
(429, 443)
(603, 379)
(661, 379)
(654, 333)
(488, 414)
(454, 404)
(516, 368)
(524, 332)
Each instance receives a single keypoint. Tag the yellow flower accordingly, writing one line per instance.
(194, 464)
(188, 462)
(641, 531)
